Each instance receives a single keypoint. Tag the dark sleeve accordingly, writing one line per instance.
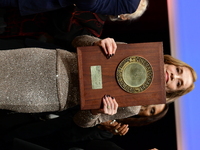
(105, 145)
(29, 7)
(109, 7)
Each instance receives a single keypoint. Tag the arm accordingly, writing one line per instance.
(84, 40)
(110, 107)
(108, 45)
(85, 118)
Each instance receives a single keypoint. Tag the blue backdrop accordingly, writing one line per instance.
(184, 17)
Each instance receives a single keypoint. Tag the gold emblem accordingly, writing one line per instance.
(134, 74)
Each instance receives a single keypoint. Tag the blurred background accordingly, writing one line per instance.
(175, 23)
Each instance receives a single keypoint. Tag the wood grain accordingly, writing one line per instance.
(93, 56)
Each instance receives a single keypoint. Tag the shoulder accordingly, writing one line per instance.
(84, 40)
(133, 109)
(129, 111)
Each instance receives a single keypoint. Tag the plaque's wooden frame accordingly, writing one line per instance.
(93, 56)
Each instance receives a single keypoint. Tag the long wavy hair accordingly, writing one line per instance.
(144, 120)
(175, 94)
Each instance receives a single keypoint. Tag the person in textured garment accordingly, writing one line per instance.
(42, 80)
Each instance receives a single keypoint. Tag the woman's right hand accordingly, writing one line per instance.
(109, 46)
(110, 106)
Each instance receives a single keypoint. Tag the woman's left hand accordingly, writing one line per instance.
(110, 106)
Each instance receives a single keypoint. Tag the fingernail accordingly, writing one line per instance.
(113, 54)
(109, 56)
(112, 97)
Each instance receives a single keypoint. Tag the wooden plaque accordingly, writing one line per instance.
(98, 75)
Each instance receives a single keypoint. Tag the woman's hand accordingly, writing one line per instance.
(109, 46)
(115, 127)
(120, 129)
(110, 106)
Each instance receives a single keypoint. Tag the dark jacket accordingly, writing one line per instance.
(106, 7)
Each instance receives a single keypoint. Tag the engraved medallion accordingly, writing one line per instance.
(134, 74)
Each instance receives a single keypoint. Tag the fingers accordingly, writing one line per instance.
(118, 126)
(123, 129)
(110, 105)
(115, 104)
(109, 46)
(114, 124)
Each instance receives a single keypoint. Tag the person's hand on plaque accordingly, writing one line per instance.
(108, 45)
(110, 106)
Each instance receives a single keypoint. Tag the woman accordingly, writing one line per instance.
(176, 84)
(40, 80)
(147, 115)
(105, 7)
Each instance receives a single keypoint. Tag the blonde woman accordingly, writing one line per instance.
(42, 80)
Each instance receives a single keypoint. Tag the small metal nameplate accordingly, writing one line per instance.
(96, 77)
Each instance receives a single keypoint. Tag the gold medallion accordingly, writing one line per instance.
(134, 74)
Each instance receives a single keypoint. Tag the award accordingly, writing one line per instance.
(134, 75)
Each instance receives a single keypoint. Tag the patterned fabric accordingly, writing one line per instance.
(23, 26)
(86, 20)
(74, 23)
(38, 80)
(59, 27)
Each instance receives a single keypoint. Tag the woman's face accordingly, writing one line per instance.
(177, 78)
(151, 110)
